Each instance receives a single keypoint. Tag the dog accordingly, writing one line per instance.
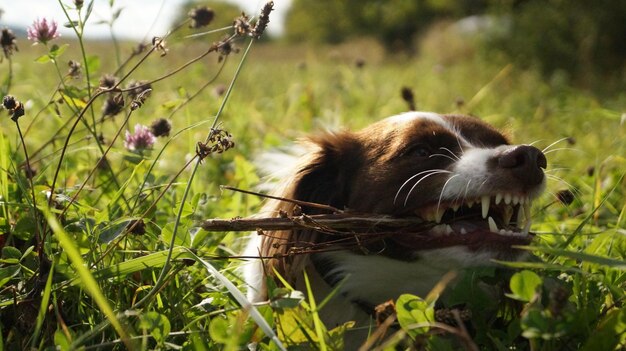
(463, 178)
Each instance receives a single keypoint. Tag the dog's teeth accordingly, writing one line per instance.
(469, 204)
(498, 198)
(507, 198)
(526, 229)
(520, 216)
(526, 210)
(522, 200)
(492, 225)
(485, 200)
(448, 229)
(455, 207)
(507, 213)
(439, 215)
(463, 231)
(515, 200)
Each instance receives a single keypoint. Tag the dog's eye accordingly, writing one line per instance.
(418, 150)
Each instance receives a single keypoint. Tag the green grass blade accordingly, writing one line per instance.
(599, 260)
(243, 301)
(88, 281)
(120, 270)
(45, 299)
(317, 322)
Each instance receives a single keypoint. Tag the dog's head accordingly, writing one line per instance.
(461, 176)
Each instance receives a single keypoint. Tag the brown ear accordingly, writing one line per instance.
(328, 177)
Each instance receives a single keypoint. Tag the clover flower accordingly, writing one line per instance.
(142, 139)
(42, 31)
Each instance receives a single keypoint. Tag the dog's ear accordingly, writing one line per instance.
(327, 178)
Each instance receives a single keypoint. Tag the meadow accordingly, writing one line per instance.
(108, 253)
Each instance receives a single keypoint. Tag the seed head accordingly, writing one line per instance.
(565, 197)
(161, 127)
(8, 42)
(201, 16)
(242, 25)
(159, 44)
(142, 139)
(16, 108)
(78, 4)
(264, 20)
(113, 105)
(408, 97)
(137, 87)
(108, 81)
(42, 32)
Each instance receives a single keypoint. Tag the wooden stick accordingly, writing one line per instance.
(354, 222)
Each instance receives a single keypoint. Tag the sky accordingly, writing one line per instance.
(156, 16)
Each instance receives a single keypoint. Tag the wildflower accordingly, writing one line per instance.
(225, 48)
(200, 17)
(78, 4)
(161, 127)
(140, 99)
(264, 20)
(142, 139)
(74, 69)
(42, 32)
(16, 108)
(8, 42)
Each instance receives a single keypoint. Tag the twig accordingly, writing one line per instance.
(357, 222)
(297, 202)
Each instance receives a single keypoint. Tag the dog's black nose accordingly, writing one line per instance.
(525, 162)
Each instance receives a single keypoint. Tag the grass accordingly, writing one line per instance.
(87, 274)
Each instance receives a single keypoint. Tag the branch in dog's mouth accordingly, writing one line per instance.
(498, 221)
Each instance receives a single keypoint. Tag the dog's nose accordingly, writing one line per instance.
(525, 162)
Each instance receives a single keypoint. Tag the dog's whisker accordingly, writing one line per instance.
(534, 142)
(563, 148)
(411, 178)
(554, 143)
(450, 151)
(446, 156)
(443, 189)
(419, 181)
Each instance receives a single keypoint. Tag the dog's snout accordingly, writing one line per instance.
(525, 162)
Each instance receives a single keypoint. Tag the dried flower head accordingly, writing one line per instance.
(242, 25)
(225, 48)
(140, 99)
(135, 88)
(565, 197)
(264, 20)
(161, 127)
(78, 4)
(159, 45)
(201, 16)
(16, 108)
(74, 70)
(137, 227)
(42, 32)
(218, 142)
(108, 81)
(408, 97)
(142, 139)
(141, 47)
(8, 42)
(113, 105)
